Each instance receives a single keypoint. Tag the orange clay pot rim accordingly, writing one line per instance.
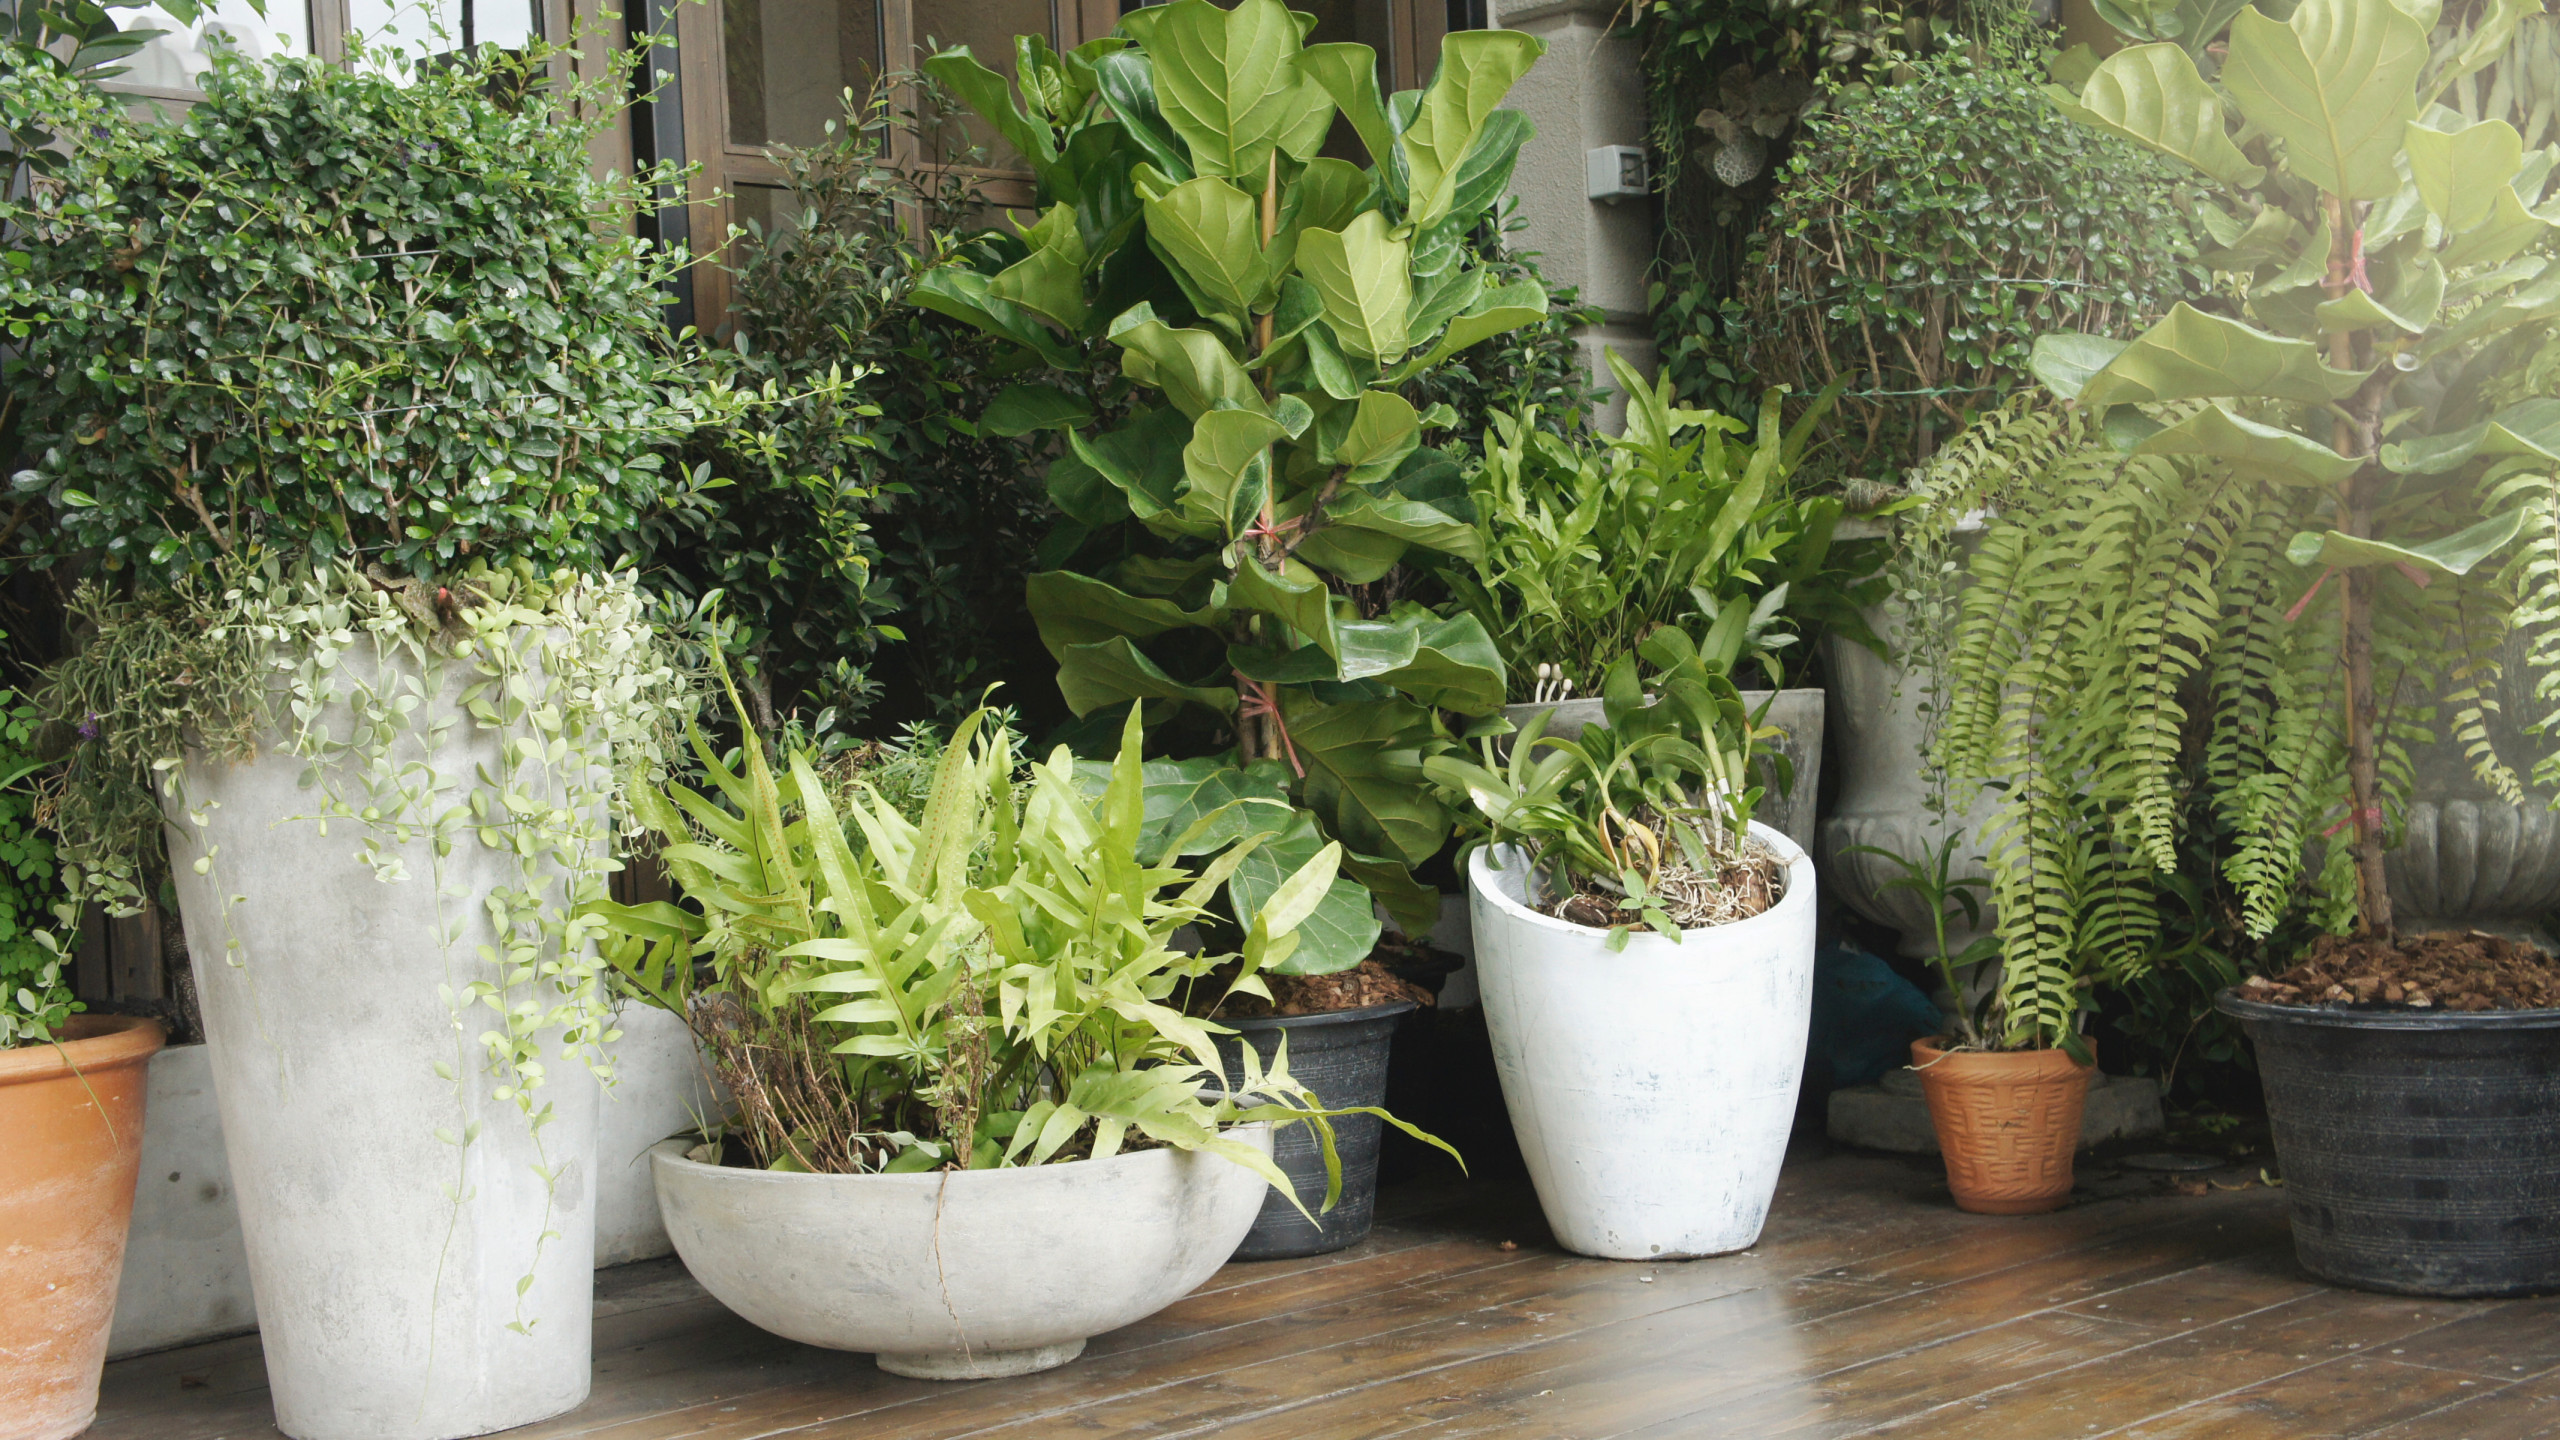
(1990, 1057)
(113, 1041)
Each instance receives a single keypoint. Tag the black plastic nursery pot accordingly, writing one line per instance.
(2421, 1149)
(1341, 1056)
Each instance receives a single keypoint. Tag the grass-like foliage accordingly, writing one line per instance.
(988, 981)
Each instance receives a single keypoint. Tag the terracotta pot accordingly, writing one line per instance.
(2007, 1124)
(66, 1191)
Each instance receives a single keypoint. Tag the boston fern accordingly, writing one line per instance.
(1228, 537)
(2387, 259)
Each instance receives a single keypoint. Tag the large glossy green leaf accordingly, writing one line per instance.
(2415, 298)
(1343, 928)
(2065, 361)
(1354, 554)
(2459, 173)
(1228, 83)
(1477, 68)
(1127, 81)
(1366, 282)
(1228, 465)
(2453, 554)
(1143, 458)
(1485, 175)
(1364, 774)
(1349, 74)
(1193, 368)
(1073, 609)
(1021, 409)
(1207, 804)
(2275, 455)
(2193, 355)
(1454, 665)
(988, 93)
(2508, 230)
(1209, 230)
(2154, 96)
(1384, 429)
(1294, 595)
(1493, 312)
(1107, 672)
(1326, 195)
(965, 295)
(1050, 280)
(2336, 83)
(1424, 503)
(1411, 906)
(2528, 427)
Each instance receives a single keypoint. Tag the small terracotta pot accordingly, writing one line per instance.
(72, 1120)
(2007, 1122)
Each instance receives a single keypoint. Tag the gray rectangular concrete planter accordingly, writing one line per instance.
(186, 1272)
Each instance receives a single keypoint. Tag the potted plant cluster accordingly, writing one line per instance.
(1645, 951)
(974, 1125)
(1237, 505)
(345, 405)
(1684, 519)
(2271, 527)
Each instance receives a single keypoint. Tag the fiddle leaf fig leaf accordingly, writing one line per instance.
(1073, 609)
(1326, 195)
(1294, 595)
(1127, 81)
(1209, 229)
(2453, 554)
(988, 93)
(1193, 368)
(1485, 175)
(2508, 230)
(1336, 926)
(2528, 427)
(1109, 671)
(2193, 355)
(1227, 456)
(1450, 664)
(2154, 96)
(2064, 361)
(1048, 282)
(1384, 429)
(1477, 68)
(967, 296)
(1426, 504)
(1143, 458)
(2413, 305)
(1227, 82)
(1365, 280)
(2458, 173)
(1349, 74)
(2336, 83)
(2263, 450)
(1021, 409)
(1364, 774)
(1494, 312)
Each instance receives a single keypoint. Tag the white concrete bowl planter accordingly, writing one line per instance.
(1652, 1089)
(384, 1303)
(963, 1275)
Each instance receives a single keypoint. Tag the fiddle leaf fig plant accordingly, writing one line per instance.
(2391, 258)
(1263, 305)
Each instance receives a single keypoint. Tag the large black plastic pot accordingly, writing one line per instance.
(2421, 1150)
(1342, 1057)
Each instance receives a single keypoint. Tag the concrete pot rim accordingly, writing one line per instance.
(1319, 1018)
(1800, 883)
(671, 1152)
(2240, 1007)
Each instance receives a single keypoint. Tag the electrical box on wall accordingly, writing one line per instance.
(1616, 172)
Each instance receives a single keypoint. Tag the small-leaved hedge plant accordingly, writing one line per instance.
(1686, 519)
(1264, 307)
(986, 978)
(1643, 820)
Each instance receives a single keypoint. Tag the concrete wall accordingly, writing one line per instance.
(186, 1270)
(1586, 92)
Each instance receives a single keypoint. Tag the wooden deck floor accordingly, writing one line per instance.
(1870, 1307)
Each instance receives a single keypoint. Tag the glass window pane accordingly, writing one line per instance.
(987, 27)
(790, 62)
(419, 29)
(183, 51)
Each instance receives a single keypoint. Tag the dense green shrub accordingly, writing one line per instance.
(1925, 233)
(333, 313)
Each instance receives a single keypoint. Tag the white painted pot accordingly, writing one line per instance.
(384, 1259)
(959, 1275)
(1652, 1089)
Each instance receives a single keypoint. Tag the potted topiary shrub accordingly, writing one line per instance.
(346, 402)
(1645, 951)
(1237, 507)
(973, 1128)
(2393, 280)
(1684, 519)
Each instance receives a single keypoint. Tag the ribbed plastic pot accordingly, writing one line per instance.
(2007, 1121)
(70, 1139)
(1342, 1057)
(2421, 1150)
(1652, 1088)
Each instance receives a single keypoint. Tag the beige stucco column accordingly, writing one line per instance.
(1586, 92)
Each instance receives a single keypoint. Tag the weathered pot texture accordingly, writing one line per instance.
(2471, 859)
(1797, 715)
(1651, 1089)
(2420, 1149)
(70, 1139)
(384, 1258)
(1342, 1057)
(960, 1275)
(2007, 1121)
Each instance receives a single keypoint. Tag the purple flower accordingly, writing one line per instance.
(89, 727)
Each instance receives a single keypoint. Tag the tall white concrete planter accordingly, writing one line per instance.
(384, 1256)
(1652, 1088)
(962, 1275)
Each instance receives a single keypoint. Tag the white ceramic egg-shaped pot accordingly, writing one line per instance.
(961, 1275)
(1652, 1088)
